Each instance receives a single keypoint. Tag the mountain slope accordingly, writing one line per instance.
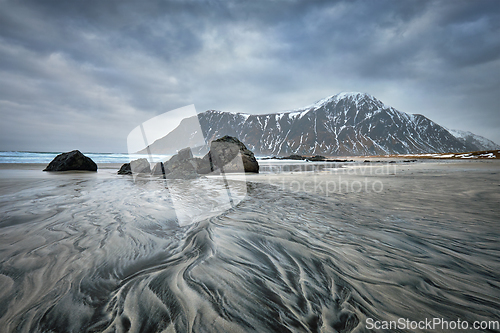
(469, 138)
(343, 124)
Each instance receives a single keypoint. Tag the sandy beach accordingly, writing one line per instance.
(325, 250)
(442, 187)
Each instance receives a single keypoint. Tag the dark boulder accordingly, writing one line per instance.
(182, 165)
(74, 160)
(203, 165)
(317, 158)
(158, 169)
(222, 155)
(125, 169)
(294, 157)
(139, 166)
(183, 157)
(185, 154)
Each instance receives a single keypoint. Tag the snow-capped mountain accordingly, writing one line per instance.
(471, 139)
(342, 124)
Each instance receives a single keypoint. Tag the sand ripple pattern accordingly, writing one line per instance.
(106, 255)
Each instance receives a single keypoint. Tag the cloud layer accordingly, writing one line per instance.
(82, 74)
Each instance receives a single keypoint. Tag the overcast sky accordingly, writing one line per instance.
(83, 74)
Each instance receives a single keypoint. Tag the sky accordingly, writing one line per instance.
(83, 74)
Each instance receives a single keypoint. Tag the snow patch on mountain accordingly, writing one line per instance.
(468, 137)
(355, 97)
(350, 123)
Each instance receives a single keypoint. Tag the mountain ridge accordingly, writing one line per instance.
(481, 141)
(344, 124)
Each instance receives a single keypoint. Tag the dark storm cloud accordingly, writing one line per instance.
(93, 70)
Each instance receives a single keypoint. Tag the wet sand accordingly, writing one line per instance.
(423, 187)
(303, 252)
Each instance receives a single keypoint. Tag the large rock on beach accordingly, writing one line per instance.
(223, 152)
(222, 156)
(158, 169)
(73, 160)
(184, 154)
(125, 169)
(138, 166)
(203, 165)
(182, 165)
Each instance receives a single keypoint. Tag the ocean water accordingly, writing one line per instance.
(82, 252)
(46, 157)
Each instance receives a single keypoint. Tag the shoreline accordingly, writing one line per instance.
(357, 161)
(41, 166)
(388, 233)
